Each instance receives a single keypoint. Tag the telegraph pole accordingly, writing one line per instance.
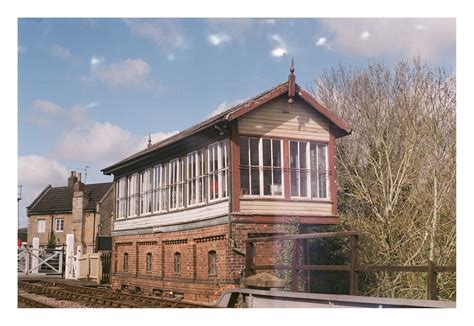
(19, 198)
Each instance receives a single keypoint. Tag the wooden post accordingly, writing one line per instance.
(294, 264)
(354, 275)
(249, 246)
(432, 282)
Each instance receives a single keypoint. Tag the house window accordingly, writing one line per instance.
(161, 188)
(133, 195)
(146, 191)
(176, 173)
(59, 225)
(148, 262)
(125, 262)
(218, 170)
(195, 177)
(177, 263)
(308, 169)
(261, 166)
(121, 197)
(41, 226)
(212, 262)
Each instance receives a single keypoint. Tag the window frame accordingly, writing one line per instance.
(133, 184)
(38, 230)
(121, 198)
(310, 171)
(177, 263)
(56, 220)
(261, 167)
(125, 262)
(146, 195)
(196, 178)
(212, 263)
(221, 172)
(160, 189)
(149, 262)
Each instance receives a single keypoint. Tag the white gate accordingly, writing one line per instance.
(40, 261)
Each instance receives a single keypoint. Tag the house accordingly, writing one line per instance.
(84, 210)
(185, 205)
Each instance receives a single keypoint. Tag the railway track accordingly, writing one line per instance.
(30, 303)
(99, 298)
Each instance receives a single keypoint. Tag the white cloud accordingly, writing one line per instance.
(429, 37)
(364, 35)
(224, 106)
(321, 41)
(156, 137)
(163, 32)
(48, 114)
(47, 107)
(60, 52)
(125, 73)
(281, 49)
(96, 61)
(218, 39)
(36, 171)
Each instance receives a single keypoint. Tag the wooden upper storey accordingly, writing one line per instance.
(270, 157)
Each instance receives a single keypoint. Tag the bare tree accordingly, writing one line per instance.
(397, 170)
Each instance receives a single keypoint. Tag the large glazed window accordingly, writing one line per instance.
(218, 170)
(195, 176)
(146, 191)
(176, 179)
(133, 195)
(308, 169)
(261, 166)
(161, 188)
(121, 197)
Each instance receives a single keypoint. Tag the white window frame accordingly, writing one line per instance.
(121, 198)
(160, 202)
(43, 224)
(146, 191)
(176, 183)
(220, 151)
(310, 171)
(59, 222)
(195, 178)
(133, 195)
(261, 167)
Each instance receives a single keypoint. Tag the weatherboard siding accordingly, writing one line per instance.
(302, 122)
(178, 217)
(285, 207)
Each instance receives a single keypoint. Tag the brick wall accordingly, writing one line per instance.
(194, 281)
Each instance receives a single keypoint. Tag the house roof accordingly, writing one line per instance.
(342, 129)
(59, 199)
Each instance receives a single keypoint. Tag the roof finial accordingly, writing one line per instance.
(149, 140)
(292, 67)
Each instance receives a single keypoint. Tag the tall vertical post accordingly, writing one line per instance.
(69, 257)
(294, 264)
(432, 282)
(354, 275)
(34, 259)
(249, 247)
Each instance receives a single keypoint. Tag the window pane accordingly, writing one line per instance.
(277, 187)
(267, 182)
(267, 154)
(314, 171)
(294, 183)
(254, 151)
(322, 171)
(255, 182)
(276, 152)
(293, 154)
(244, 182)
(244, 151)
(303, 171)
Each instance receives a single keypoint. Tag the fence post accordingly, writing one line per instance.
(354, 275)
(432, 287)
(69, 257)
(294, 263)
(34, 259)
(249, 247)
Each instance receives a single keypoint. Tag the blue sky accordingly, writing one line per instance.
(90, 90)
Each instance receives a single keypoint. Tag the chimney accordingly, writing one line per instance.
(72, 179)
(78, 185)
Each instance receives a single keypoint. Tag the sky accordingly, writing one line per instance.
(90, 91)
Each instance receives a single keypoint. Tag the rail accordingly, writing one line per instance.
(353, 267)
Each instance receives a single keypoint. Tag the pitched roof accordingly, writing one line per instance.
(59, 199)
(342, 129)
